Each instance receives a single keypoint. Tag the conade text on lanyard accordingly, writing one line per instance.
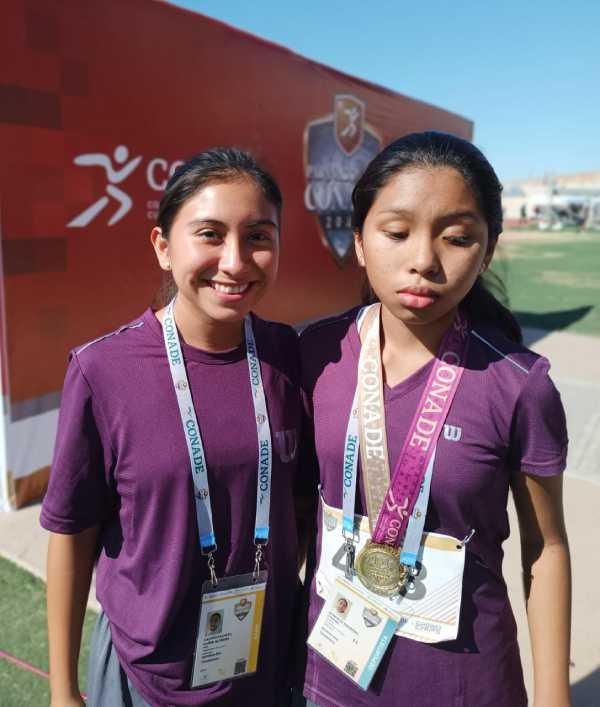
(193, 438)
(390, 503)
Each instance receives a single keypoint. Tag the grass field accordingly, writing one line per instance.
(552, 279)
(23, 634)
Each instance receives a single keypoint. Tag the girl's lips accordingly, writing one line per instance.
(229, 288)
(230, 293)
(417, 297)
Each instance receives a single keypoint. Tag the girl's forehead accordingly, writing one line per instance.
(415, 188)
(228, 200)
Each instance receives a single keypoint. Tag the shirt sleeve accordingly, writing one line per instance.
(539, 438)
(79, 490)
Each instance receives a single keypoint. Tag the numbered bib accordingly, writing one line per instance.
(429, 608)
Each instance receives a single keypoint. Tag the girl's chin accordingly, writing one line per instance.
(421, 315)
(228, 312)
(220, 308)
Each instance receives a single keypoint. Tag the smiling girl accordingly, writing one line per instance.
(157, 476)
(448, 411)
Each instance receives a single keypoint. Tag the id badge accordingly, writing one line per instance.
(353, 632)
(429, 608)
(229, 628)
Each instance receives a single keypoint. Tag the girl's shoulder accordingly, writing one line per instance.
(278, 347)
(332, 340)
(277, 332)
(512, 376)
(328, 329)
(276, 341)
(108, 338)
(114, 359)
(512, 385)
(491, 348)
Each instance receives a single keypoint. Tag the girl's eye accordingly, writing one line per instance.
(208, 234)
(259, 237)
(459, 240)
(396, 235)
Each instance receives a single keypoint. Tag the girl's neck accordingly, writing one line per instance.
(408, 347)
(202, 332)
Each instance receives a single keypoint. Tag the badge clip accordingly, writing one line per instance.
(350, 554)
(257, 560)
(211, 567)
(467, 538)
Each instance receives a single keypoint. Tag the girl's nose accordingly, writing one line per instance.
(424, 260)
(232, 256)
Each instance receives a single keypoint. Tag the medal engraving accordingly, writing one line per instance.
(379, 569)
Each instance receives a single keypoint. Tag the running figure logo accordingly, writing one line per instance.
(115, 176)
(349, 118)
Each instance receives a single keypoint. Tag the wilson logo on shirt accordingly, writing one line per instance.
(452, 433)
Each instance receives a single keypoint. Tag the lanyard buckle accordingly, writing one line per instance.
(349, 571)
(467, 539)
(211, 567)
(257, 559)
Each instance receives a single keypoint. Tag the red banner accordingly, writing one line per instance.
(98, 104)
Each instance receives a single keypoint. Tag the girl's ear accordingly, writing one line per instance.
(358, 248)
(161, 248)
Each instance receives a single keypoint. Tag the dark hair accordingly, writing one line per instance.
(430, 150)
(219, 164)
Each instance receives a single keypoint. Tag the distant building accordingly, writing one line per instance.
(557, 201)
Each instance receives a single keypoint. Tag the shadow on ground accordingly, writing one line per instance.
(586, 692)
(551, 321)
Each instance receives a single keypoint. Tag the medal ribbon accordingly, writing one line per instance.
(351, 448)
(371, 418)
(193, 437)
(419, 446)
(369, 318)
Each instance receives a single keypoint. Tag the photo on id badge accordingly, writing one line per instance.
(342, 605)
(214, 622)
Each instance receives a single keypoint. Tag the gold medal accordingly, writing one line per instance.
(379, 569)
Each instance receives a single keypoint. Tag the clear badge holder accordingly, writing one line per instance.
(230, 625)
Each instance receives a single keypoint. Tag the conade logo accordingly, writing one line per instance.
(118, 168)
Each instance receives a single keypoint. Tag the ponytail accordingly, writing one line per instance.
(480, 305)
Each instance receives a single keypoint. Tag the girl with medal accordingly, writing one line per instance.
(175, 463)
(427, 410)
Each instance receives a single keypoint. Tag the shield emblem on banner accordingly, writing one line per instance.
(337, 148)
(349, 118)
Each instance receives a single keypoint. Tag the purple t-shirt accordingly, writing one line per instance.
(121, 461)
(507, 418)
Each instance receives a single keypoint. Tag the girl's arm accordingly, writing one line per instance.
(69, 567)
(547, 583)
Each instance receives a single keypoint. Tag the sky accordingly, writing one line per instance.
(526, 72)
